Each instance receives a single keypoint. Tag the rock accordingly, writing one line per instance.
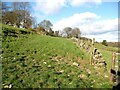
(70, 83)
(106, 76)
(82, 76)
(61, 71)
(49, 66)
(8, 86)
(76, 64)
(101, 64)
(96, 56)
(74, 39)
(89, 72)
(93, 81)
(44, 62)
(68, 75)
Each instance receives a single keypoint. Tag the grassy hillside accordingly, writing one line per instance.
(40, 61)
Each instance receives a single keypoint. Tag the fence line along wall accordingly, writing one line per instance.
(96, 57)
(115, 69)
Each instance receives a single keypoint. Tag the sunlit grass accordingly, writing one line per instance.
(41, 61)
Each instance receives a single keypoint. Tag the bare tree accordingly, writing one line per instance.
(76, 32)
(68, 31)
(19, 15)
(23, 11)
(9, 18)
(46, 24)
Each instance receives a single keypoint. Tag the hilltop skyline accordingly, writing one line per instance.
(95, 18)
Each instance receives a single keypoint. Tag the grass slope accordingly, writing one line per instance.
(39, 61)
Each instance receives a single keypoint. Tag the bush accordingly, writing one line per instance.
(105, 43)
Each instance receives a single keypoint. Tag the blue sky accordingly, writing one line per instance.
(106, 10)
(95, 18)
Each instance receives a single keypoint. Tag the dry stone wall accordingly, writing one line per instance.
(96, 57)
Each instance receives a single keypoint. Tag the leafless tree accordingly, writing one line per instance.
(46, 24)
(68, 31)
(19, 15)
(76, 32)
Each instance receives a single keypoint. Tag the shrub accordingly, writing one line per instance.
(105, 43)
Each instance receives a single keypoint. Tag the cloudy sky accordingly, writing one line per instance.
(96, 18)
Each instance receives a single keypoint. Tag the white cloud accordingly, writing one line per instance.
(53, 6)
(49, 6)
(100, 26)
(77, 20)
(82, 2)
(109, 36)
(90, 23)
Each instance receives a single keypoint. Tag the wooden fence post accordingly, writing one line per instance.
(92, 48)
(118, 72)
(113, 72)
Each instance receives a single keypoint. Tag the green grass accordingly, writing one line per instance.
(106, 48)
(40, 61)
(19, 54)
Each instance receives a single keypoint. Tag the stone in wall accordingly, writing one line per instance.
(98, 59)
